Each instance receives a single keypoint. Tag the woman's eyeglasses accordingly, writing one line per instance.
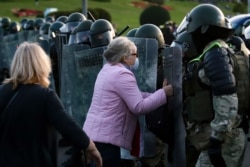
(134, 54)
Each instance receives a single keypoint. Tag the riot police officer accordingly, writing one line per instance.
(131, 33)
(22, 22)
(62, 19)
(53, 30)
(4, 24)
(184, 41)
(154, 32)
(214, 118)
(73, 20)
(101, 33)
(14, 27)
(29, 25)
(49, 19)
(38, 23)
(44, 31)
(156, 157)
(82, 34)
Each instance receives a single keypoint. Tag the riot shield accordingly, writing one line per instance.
(10, 37)
(148, 55)
(10, 45)
(146, 77)
(32, 36)
(61, 40)
(22, 36)
(172, 65)
(1, 32)
(44, 44)
(80, 66)
(1, 60)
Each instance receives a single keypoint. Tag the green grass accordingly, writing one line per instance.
(122, 11)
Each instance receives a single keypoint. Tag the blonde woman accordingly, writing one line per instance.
(30, 113)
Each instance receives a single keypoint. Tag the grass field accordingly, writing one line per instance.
(123, 13)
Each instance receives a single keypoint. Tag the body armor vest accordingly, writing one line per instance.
(198, 101)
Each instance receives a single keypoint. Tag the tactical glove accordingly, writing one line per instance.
(215, 154)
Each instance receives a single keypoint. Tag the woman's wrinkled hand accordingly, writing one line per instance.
(169, 90)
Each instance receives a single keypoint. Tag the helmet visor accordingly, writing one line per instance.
(183, 25)
(70, 26)
(72, 39)
(82, 37)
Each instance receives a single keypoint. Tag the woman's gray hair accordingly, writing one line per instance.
(117, 49)
(30, 65)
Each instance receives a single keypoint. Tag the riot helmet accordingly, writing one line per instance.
(73, 20)
(235, 42)
(247, 37)
(49, 19)
(245, 25)
(101, 33)
(184, 40)
(14, 27)
(44, 30)
(29, 25)
(239, 23)
(5, 22)
(131, 33)
(62, 19)
(151, 31)
(82, 34)
(247, 33)
(37, 23)
(238, 44)
(205, 29)
(22, 22)
(55, 28)
(202, 16)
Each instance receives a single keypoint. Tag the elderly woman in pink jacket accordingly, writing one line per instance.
(117, 102)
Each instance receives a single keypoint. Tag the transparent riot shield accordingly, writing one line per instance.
(44, 44)
(22, 36)
(32, 36)
(146, 77)
(80, 66)
(172, 65)
(10, 45)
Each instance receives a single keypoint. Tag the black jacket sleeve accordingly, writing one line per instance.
(219, 71)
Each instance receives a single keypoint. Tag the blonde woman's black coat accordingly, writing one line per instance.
(28, 129)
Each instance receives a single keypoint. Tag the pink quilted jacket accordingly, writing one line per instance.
(116, 104)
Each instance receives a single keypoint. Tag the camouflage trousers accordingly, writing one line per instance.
(232, 151)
